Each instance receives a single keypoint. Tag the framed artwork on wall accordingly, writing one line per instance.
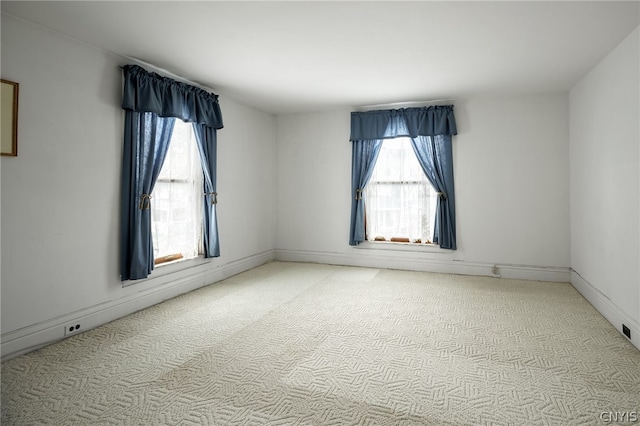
(9, 112)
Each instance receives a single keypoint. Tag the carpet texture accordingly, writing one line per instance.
(308, 344)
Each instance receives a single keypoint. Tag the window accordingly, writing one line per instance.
(432, 128)
(176, 210)
(147, 137)
(399, 200)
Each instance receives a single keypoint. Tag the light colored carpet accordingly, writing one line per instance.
(311, 344)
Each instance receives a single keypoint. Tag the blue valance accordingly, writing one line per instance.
(149, 92)
(407, 122)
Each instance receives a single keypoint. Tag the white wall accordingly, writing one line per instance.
(512, 190)
(604, 154)
(60, 196)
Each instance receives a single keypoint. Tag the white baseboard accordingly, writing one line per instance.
(33, 337)
(238, 266)
(416, 261)
(606, 307)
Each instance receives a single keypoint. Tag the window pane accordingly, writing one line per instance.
(399, 200)
(176, 211)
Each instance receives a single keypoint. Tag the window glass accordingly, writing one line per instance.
(399, 200)
(176, 213)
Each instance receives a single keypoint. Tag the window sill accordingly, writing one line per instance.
(394, 246)
(168, 268)
(176, 265)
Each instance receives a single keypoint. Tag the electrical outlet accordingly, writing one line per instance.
(74, 328)
(626, 331)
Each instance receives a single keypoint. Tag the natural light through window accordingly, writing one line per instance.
(399, 200)
(177, 199)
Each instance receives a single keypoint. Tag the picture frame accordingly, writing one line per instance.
(9, 122)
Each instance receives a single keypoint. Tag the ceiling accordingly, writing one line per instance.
(287, 57)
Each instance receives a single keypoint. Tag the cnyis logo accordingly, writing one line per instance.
(619, 416)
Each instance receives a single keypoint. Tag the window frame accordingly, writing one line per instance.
(399, 239)
(173, 258)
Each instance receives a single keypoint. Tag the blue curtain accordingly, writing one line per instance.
(363, 159)
(436, 159)
(151, 103)
(407, 122)
(430, 129)
(146, 143)
(147, 91)
(207, 145)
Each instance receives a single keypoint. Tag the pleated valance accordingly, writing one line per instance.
(406, 122)
(149, 92)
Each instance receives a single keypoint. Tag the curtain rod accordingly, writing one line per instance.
(166, 73)
(398, 104)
